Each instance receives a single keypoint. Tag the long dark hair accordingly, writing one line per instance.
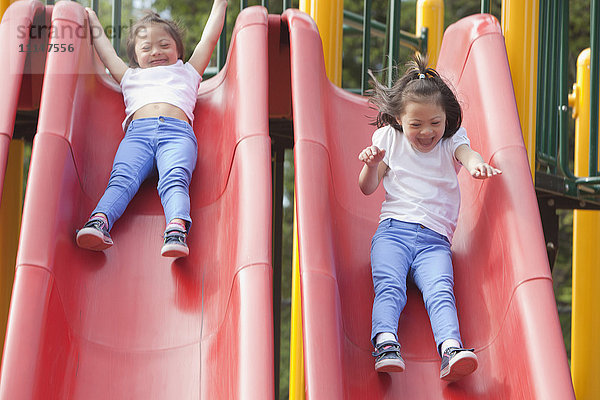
(418, 84)
(150, 17)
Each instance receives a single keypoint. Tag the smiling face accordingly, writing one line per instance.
(154, 46)
(423, 124)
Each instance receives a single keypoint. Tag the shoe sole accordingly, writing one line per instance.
(92, 239)
(174, 250)
(462, 365)
(389, 365)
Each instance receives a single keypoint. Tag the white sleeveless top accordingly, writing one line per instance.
(176, 84)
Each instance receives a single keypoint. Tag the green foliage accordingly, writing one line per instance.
(128, 17)
(190, 15)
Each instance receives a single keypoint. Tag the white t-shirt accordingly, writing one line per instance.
(176, 84)
(421, 187)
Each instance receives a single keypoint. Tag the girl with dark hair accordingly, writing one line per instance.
(160, 93)
(417, 152)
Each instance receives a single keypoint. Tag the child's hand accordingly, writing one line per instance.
(92, 17)
(372, 156)
(483, 171)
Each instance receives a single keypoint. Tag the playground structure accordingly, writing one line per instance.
(82, 302)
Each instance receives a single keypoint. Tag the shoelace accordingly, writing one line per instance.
(386, 347)
(97, 223)
(175, 235)
(452, 351)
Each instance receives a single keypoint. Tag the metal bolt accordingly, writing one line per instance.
(551, 203)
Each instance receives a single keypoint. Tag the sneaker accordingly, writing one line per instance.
(387, 357)
(175, 245)
(457, 363)
(94, 235)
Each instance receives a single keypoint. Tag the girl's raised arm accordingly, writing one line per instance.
(373, 170)
(210, 36)
(106, 52)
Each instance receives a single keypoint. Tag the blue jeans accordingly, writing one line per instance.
(400, 250)
(165, 143)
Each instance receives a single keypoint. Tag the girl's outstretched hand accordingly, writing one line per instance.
(483, 171)
(372, 156)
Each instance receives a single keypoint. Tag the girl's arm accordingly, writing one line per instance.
(474, 163)
(106, 52)
(373, 170)
(210, 36)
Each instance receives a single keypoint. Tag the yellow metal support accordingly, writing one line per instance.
(296, 345)
(329, 16)
(4, 5)
(520, 29)
(10, 223)
(585, 319)
(430, 15)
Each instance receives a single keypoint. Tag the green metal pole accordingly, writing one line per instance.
(563, 116)
(541, 76)
(366, 50)
(243, 4)
(393, 42)
(485, 6)
(355, 22)
(594, 84)
(116, 24)
(552, 82)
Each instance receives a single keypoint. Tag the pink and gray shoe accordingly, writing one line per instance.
(175, 245)
(387, 357)
(94, 235)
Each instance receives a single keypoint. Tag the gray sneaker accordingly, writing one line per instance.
(175, 245)
(94, 235)
(387, 357)
(457, 363)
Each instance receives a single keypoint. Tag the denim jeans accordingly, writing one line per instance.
(400, 250)
(165, 143)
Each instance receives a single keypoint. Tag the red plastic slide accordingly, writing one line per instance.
(127, 323)
(23, 39)
(503, 284)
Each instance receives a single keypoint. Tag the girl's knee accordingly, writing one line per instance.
(175, 178)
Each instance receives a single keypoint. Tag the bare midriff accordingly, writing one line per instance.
(153, 110)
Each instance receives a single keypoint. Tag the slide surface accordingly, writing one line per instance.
(127, 323)
(503, 284)
(21, 68)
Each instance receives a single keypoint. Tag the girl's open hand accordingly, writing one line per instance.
(372, 156)
(483, 171)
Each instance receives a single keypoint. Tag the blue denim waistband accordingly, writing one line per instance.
(154, 120)
(412, 226)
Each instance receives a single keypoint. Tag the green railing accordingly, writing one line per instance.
(391, 31)
(552, 119)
